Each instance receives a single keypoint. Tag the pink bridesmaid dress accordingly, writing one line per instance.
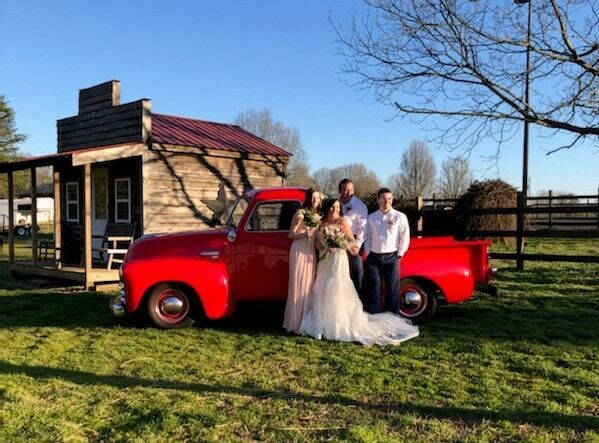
(302, 271)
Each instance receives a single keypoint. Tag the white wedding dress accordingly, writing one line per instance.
(335, 311)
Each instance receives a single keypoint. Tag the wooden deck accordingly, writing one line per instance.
(97, 276)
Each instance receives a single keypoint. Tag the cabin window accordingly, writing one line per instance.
(122, 200)
(72, 202)
(272, 216)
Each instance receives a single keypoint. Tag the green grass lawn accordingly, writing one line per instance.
(524, 366)
(564, 246)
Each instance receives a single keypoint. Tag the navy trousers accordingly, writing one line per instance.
(356, 269)
(382, 268)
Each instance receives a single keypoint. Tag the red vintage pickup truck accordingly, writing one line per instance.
(178, 278)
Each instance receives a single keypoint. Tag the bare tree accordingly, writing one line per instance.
(328, 180)
(262, 124)
(460, 65)
(365, 181)
(456, 177)
(417, 172)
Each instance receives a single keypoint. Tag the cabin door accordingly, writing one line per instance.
(99, 204)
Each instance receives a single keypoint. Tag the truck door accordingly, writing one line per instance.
(262, 252)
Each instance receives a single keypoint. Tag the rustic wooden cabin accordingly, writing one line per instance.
(123, 170)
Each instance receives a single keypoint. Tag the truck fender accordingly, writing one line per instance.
(209, 279)
(455, 280)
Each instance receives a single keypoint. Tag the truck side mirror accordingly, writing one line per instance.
(231, 235)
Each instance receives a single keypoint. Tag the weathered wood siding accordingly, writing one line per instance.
(103, 121)
(100, 96)
(176, 179)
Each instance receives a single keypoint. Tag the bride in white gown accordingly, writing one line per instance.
(335, 311)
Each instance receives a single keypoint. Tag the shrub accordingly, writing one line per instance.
(488, 194)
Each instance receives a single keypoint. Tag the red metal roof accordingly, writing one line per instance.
(183, 131)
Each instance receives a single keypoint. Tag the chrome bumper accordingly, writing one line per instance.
(488, 288)
(117, 304)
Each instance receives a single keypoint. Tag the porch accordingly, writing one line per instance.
(109, 179)
(97, 276)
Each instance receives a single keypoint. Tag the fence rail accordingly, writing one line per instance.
(526, 233)
(527, 217)
(518, 210)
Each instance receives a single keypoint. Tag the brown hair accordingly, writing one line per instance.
(383, 191)
(327, 205)
(308, 199)
(345, 181)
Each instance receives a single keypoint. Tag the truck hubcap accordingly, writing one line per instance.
(412, 302)
(172, 305)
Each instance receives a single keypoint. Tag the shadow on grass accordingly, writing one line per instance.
(29, 307)
(539, 418)
(250, 318)
(47, 309)
(537, 319)
(533, 319)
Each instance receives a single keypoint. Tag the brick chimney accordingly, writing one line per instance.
(102, 120)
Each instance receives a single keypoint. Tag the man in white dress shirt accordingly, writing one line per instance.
(355, 213)
(387, 240)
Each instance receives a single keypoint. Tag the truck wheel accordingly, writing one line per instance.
(415, 302)
(169, 307)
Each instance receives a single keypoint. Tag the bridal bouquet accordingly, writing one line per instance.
(311, 218)
(332, 239)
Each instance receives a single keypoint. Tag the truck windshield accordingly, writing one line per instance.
(237, 211)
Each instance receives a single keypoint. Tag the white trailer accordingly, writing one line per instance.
(22, 213)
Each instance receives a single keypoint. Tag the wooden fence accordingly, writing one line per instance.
(583, 220)
(570, 220)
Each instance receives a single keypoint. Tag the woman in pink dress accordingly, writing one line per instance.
(302, 261)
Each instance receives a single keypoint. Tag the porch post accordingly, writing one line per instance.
(33, 216)
(11, 219)
(87, 206)
(57, 220)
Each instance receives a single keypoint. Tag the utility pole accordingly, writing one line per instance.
(523, 197)
(526, 102)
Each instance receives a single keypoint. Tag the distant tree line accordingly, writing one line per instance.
(417, 172)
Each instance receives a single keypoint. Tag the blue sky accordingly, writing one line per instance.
(210, 60)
